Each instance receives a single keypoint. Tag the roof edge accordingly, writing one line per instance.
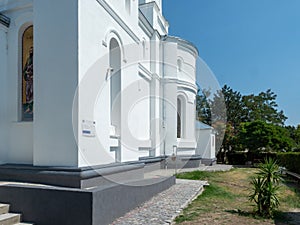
(183, 43)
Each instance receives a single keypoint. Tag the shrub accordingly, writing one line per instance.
(290, 160)
(265, 187)
(237, 158)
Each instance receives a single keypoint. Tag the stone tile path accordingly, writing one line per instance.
(164, 207)
(167, 205)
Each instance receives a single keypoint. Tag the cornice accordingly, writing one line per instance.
(181, 83)
(183, 44)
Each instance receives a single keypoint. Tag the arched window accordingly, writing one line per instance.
(181, 117)
(27, 74)
(178, 118)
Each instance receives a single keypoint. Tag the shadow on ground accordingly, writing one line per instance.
(288, 218)
(281, 218)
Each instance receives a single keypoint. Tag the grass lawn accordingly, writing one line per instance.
(225, 201)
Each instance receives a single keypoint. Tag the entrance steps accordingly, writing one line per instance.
(7, 218)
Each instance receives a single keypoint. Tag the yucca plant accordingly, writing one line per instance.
(265, 187)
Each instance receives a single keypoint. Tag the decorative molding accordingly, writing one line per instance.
(144, 72)
(183, 84)
(118, 19)
(4, 20)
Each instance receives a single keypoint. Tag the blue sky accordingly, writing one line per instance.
(251, 45)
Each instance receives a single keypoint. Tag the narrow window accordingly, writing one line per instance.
(128, 5)
(179, 65)
(179, 118)
(27, 74)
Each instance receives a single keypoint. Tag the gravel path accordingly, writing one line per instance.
(164, 207)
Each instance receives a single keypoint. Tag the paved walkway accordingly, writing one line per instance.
(167, 205)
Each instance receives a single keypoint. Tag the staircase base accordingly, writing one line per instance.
(46, 205)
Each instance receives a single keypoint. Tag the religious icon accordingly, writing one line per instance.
(27, 75)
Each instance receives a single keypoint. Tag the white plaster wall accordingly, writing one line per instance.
(94, 99)
(169, 97)
(188, 71)
(156, 49)
(19, 134)
(131, 17)
(56, 79)
(205, 147)
(152, 11)
(67, 56)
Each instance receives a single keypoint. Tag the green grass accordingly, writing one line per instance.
(213, 191)
(197, 175)
(291, 194)
(226, 199)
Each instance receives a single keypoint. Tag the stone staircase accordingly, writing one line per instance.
(7, 218)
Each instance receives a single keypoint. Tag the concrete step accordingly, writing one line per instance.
(4, 208)
(9, 218)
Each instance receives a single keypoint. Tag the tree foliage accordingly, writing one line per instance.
(259, 135)
(246, 121)
(202, 107)
(263, 107)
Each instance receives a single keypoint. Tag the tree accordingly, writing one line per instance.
(297, 136)
(263, 107)
(203, 107)
(259, 135)
(235, 110)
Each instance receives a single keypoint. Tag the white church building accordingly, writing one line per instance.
(92, 82)
(93, 90)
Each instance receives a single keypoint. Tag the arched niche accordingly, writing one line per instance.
(27, 74)
(115, 85)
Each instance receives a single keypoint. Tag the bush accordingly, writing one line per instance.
(237, 158)
(290, 160)
(265, 188)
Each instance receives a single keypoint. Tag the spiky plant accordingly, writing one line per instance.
(265, 187)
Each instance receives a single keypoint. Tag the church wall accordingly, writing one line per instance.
(72, 85)
(56, 66)
(19, 134)
(94, 89)
(206, 145)
(130, 16)
(169, 106)
(188, 69)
